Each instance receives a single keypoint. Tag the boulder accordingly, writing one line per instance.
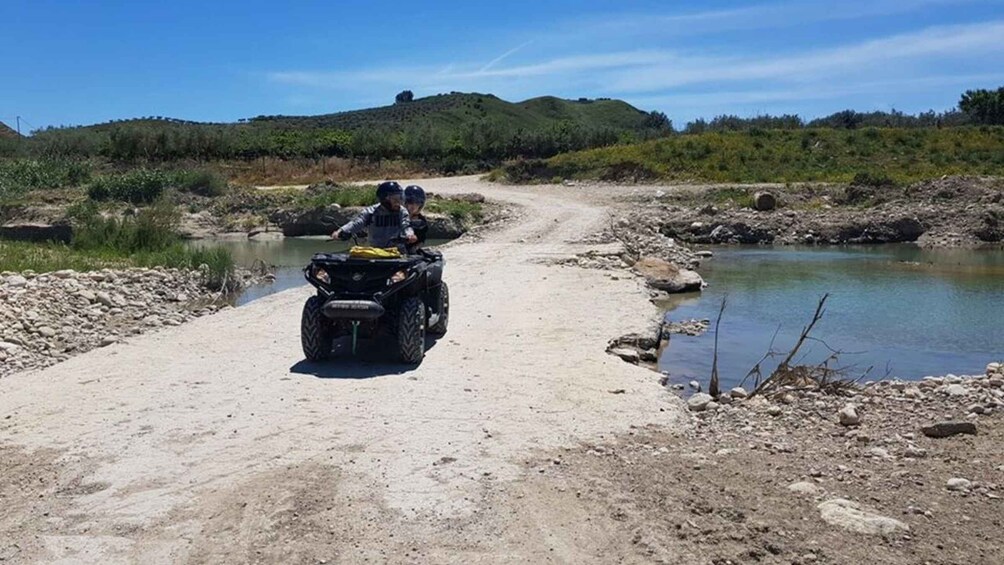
(849, 415)
(851, 516)
(805, 487)
(699, 402)
(667, 277)
(738, 392)
(28, 231)
(948, 429)
(764, 201)
(957, 484)
(15, 281)
(629, 355)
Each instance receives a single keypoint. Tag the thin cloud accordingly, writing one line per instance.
(760, 16)
(504, 56)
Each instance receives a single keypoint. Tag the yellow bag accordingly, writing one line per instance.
(361, 252)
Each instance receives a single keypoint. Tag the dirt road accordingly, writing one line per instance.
(215, 442)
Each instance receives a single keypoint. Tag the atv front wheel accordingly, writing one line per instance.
(315, 331)
(444, 310)
(411, 330)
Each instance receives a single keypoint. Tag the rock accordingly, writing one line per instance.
(913, 452)
(805, 487)
(33, 231)
(853, 517)
(629, 355)
(848, 415)
(46, 331)
(764, 201)
(912, 392)
(15, 281)
(695, 385)
(956, 390)
(958, 484)
(86, 295)
(64, 274)
(976, 409)
(948, 429)
(104, 299)
(668, 277)
(699, 402)
(774, 410)
(995, 369)
(739, 392)
(107, 340)
(879, 453)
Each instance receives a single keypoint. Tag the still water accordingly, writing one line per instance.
(912, 312)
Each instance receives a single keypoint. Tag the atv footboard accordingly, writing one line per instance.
(352, 310)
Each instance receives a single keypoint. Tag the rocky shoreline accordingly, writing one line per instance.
(949, 212)
(916, 476)
(47, 318)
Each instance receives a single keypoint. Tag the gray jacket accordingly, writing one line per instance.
(382, 224)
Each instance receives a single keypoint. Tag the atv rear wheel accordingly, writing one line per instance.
(411, 330)
(444, 310)
(315, 331)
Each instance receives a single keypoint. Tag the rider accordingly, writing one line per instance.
(414, 201)
(386, 221)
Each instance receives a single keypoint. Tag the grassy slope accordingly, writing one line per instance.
(7, 131)
(448, 111)
(783, 155)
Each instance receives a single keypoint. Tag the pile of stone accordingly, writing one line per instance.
(47, 318)
(640, 234)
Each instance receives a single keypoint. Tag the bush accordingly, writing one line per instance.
(18, 176)
(142, 186)
(203, 183)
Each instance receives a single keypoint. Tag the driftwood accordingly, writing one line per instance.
(713, 385)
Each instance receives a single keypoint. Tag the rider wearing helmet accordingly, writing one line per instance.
(386, 221)
(414, 201)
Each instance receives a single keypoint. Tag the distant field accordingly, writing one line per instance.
(834, 155)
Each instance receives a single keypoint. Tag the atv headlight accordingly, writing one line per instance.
(322, 275)
(397, 277)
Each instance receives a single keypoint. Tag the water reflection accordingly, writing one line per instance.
(918, 312)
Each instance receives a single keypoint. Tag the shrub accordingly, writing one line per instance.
(201, 182)
(142, 186)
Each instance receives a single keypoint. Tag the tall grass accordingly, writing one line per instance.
(19, 176)
(144, 186)
(144, 239)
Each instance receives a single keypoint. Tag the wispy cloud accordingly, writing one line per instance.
(759, 16)
(686, 68)
(645, 71)
(504, 56)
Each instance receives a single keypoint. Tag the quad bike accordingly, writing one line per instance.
(402, 298)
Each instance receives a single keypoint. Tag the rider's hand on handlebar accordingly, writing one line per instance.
(336, 235)
(412, 239)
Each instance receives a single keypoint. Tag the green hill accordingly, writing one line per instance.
(449, 111)
(7, 132)
(446, 132)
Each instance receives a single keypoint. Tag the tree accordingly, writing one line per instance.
(984, 106)
(657, 120)
(404, 96)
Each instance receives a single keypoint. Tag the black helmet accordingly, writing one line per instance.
(414, 194)
(388, 189)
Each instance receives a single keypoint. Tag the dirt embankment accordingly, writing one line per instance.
(950, 212)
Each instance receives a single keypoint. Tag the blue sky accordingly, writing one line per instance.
(74, 62)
